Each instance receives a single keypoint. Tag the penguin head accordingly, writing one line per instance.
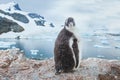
(69, 22)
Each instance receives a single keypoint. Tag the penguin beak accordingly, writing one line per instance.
(70, 24)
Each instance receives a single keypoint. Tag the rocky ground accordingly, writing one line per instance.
(14, 66)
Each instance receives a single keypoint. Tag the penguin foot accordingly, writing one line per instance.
(57, 73)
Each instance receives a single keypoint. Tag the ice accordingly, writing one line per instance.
(34, 52)
(100, 56)
(6, 44)
(117, 38)
(102, 37)
(13, 47)
(98, 46)
(104, 42)
(101, 46)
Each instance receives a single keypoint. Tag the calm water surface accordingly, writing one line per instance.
(44, 48)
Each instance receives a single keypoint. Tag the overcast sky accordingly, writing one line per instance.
(86, 12)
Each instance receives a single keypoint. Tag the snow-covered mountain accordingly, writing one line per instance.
(14, 22)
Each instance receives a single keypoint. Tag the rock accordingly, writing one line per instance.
(52, 25)
(113, 74)
(40, 22)
(5, 63)
(6, 59)
(106, 77)
(16, 16)
(7, 25)
(34, 15)
(16, 6)
(20, 17)
(36, 65)
(115, 69)
(15, 66)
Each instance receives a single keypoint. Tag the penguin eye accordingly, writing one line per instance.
(74, 40)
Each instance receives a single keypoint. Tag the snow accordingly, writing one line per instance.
(8, 6)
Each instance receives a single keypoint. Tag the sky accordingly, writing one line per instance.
(87, 13)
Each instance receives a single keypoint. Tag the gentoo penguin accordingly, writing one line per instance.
(66, 51)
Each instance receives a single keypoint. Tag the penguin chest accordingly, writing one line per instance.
(70, 45)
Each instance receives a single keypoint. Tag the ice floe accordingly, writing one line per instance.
(101, 46)
(34, 52)
(104, 42)
(6, 44)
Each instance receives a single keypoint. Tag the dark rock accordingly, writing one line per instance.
(52, 25)
(16, 28)
(20, 17)
(40, 22)
(7, 25)
(34, 15)
(16, 16)
(16, 6)
(5, 13)
(18, 37)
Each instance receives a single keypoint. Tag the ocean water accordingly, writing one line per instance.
(106, 47)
